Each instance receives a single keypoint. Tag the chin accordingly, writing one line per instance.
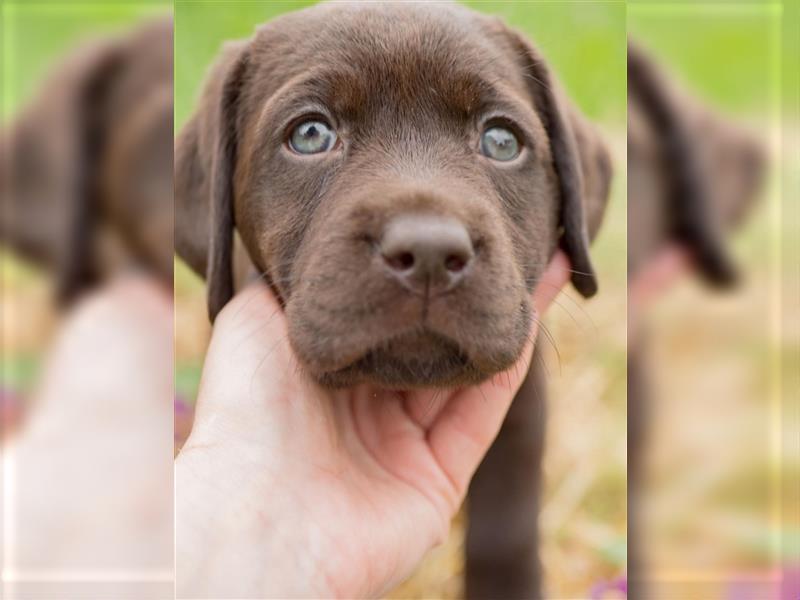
(423, 359)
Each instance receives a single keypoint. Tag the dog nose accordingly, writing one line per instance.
(427, 254)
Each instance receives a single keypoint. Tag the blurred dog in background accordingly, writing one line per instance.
(87, 164)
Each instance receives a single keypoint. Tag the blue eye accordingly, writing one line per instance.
(312, 137)
(499, 143)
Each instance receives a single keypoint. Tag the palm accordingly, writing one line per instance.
(364, 480)
(383, 471)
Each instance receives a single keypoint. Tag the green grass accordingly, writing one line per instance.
(727, 53)
(20, 372)
(187, 380)
(35, 35)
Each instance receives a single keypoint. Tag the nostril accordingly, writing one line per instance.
(402, 261)
(426, 253)
(455, 263)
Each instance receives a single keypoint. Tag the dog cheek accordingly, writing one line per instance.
(494, 325)
(330, 321)
(495, 296)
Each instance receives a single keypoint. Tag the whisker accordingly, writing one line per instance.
(576, 304)
(543, 362)
(551, 338)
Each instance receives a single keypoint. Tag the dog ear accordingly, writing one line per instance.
(54, 149)
(692, 220)
(138, 183)
(80, 269)
(581, 161)
(205, 159)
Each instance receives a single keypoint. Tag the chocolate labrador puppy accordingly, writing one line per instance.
(87, 164)
(693, 176)
(400, 175)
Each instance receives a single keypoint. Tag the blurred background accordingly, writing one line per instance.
(36, 38)
(718, 504)
(86, 303)
(584, 516)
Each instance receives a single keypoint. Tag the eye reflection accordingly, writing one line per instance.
(499, 143)
(312, 137)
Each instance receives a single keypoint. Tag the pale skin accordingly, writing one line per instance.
(285, 489)
(90, 477)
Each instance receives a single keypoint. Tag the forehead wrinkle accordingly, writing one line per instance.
(351, 93)
(444, 63)
(415, 67)
(300, 92)
(376, 76)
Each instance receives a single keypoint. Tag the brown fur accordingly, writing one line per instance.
(407, 86)
(693, 174)
(87, 172)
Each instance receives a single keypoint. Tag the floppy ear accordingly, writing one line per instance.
(689, 203)
(80, 268)
(54, 153)
(581, 162)
(137, 171)
(205, 159)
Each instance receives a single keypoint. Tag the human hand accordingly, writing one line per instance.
(287, 489)
(92, 483)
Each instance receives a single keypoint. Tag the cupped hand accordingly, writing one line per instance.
(286, 489)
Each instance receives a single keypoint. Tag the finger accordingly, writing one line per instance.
(424, 406)
(254, 304)
(463, 432)
(248, 356)
(470, 421)
(249, 323)
(550, 285)
(553, 280)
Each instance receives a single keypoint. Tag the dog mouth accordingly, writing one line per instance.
(422, 358)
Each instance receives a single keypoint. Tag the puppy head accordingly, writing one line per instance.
(401, 175)
(49, 154)
(87, 183)
(136, 174)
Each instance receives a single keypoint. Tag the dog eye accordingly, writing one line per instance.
(499, 143)
(312, 137)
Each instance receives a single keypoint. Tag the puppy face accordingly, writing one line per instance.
(397, 181)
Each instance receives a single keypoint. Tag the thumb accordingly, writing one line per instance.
(248, 358)
(552, 282)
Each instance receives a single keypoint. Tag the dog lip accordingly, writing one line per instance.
(364, 357)
(422, 345)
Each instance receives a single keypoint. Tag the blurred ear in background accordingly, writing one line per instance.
(87, 189)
